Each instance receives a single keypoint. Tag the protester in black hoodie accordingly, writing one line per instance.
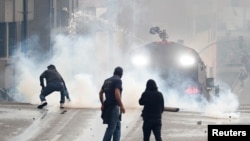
(153, 103)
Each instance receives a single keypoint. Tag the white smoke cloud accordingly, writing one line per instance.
(85, 62)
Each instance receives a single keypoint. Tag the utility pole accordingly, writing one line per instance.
(25, 23)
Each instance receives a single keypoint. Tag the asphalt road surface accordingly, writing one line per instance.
(23, 122)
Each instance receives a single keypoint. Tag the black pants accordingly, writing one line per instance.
(152, 125)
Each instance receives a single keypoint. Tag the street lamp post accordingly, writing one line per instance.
(25, 24)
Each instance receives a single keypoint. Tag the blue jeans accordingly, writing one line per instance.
(52, 87)
(114, 126)
(66, 93)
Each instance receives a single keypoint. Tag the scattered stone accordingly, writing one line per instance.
(199, 122)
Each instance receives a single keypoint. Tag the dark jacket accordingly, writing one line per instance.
(106, 113)
(153, 102)
(51, 76)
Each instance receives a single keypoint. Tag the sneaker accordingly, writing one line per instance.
(61, 106)
(44, 103)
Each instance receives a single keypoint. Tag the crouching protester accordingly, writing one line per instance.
(54, 82)
(112, 108)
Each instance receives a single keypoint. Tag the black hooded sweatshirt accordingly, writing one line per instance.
(153, 102)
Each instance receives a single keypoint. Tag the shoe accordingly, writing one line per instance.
(44, 103)
(61, 106)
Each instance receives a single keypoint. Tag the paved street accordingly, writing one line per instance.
(23, 122)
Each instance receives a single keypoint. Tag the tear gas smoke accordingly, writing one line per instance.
(85, 62)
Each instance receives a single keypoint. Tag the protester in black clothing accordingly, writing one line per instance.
(112, 106)
(153, 103)
(54, 82)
